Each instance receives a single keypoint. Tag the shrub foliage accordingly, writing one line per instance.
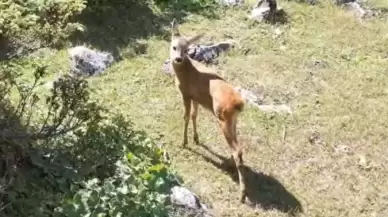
(35, 23)
(62, 153)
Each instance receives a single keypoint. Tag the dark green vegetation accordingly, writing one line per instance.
(328, 159)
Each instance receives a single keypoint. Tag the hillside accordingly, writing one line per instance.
(326, 159)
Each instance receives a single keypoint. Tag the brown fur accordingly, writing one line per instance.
(211, 91)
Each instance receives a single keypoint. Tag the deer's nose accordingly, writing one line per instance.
(178, 59)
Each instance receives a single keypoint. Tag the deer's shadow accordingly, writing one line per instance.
(263, 190)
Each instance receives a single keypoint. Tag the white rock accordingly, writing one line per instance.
(89, 62)
(183, 196)
(231, 2)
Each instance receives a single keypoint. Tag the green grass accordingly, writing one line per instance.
(343, 102)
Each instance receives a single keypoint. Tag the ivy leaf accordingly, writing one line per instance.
(130, 156)
(156, 168)
(109, 187)
(147, 176)
(160, 182)
(124, 189)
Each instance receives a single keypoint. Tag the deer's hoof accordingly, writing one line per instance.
(184, 144)
(196, 139)
(243, 196)
(229, 164)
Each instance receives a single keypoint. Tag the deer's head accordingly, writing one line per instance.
(180, 44)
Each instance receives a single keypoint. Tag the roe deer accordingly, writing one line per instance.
(209, 90)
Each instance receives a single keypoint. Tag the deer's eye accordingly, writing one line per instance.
(174, 48)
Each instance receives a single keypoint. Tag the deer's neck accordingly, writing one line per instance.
(184, 70)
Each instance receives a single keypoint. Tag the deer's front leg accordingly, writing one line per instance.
(186, 117)
(194, 113)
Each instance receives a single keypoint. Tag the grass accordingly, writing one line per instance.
(329, 68)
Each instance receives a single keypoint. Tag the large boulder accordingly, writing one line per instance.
(88, 62)
(359, 8)
(266, 10)
(201, 53)
(186, 203)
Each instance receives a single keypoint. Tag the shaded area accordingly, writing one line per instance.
(116, 26)
(33, 177)
(37, 178)
(279, 17)
(46, 160)
(274, 15)
(263, 190)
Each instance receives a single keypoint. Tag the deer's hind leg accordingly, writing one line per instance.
(228, 126)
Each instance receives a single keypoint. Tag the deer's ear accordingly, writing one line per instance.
(194, 39)
(174, 28)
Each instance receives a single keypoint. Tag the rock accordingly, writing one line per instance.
(341, 2)
(277, 33)
(202, 53)
(356, 9)
(186, 203)
(231, 2)
(184, 197)
(207, 53)
(259, 12)
(320, 64)
(263, 9)
(362, 161)
(310, 2)
(85, 61)
(316, 139)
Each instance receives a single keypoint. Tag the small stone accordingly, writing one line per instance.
(231, 2)
(342, 149)
(315, 139)
(262, 10)
(183, 196)
(278, 32)
(362, 161)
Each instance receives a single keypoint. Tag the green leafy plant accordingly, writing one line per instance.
(35, 23)
(69, 156)
(139, 187)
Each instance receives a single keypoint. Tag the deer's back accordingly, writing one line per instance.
(213, 92)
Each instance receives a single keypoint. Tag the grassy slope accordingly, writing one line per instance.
(343, 102)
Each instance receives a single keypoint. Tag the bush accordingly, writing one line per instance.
(25, 125)
(139, 186)
(49, 21)
(66, 155)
